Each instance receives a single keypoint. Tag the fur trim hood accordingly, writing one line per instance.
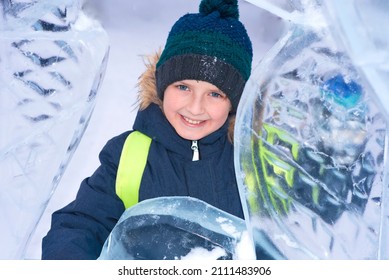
(148, 90)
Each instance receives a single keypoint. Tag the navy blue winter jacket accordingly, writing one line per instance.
(79, 230)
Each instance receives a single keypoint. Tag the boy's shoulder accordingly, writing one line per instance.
(120, 138)
(115, 145)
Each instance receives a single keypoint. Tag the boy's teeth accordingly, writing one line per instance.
(191, 121)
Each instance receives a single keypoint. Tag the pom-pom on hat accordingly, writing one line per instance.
(211, 46)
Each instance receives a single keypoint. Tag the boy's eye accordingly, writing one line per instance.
(182, 87)
(216, 94)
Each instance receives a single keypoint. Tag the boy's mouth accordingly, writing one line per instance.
(190, 121)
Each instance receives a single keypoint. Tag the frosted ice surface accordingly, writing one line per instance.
(359, 26)
(177, 228)
(52, 60)
(311, 141)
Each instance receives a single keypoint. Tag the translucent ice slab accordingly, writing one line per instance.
(177, 228)
(52, 61)
(310, 146)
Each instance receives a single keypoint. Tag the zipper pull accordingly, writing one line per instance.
(195, 148)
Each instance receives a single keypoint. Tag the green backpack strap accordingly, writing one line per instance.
(131, 166)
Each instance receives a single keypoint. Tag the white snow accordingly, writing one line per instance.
(203, 254)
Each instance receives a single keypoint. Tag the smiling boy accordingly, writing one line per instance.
(188, 98)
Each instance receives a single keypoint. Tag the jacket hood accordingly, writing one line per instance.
(147, 87)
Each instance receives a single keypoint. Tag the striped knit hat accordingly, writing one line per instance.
(211, 46)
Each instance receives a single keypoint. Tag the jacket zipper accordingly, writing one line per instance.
(195, 148)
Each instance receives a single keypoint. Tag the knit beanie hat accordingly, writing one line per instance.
(211, 46)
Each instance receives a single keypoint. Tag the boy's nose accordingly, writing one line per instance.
(195, 106)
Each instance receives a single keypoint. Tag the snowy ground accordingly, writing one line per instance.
(135, 28)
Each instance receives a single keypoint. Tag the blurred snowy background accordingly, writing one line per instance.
(135, 28)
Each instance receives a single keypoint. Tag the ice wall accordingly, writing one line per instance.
(311, 135)
(52, 61)
(177, 228)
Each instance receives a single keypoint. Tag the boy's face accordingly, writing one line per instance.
(195, 108)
